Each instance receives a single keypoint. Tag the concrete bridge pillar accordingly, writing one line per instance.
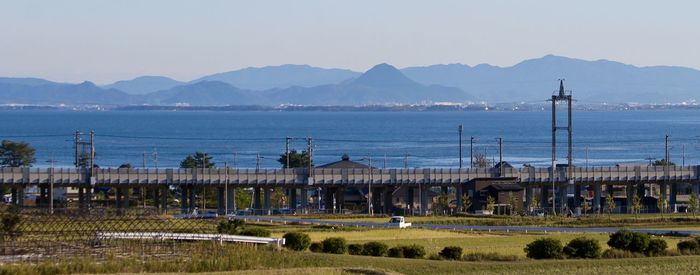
(266, 199)
(192, 198)
(125, 193)
(596, 197)
(528, 198)
(184, 196)
(164, 199)
(577, 195)
(410, 204)
(663, 194)
(340, 199)
(695, 187)
(14, 196)
(544, 197)
(256, 198)
(81, 198)
(563, 197)
(156, 197)
(220, 200)
(672, 200)
(230, 198)
(118, 198)
(424, 200)
(629, 189)
(377, 200)
(388, 200)
(459, 192)
(88, 197)
(304, 198)
(292, 194)
(43, 202)
(20, 196)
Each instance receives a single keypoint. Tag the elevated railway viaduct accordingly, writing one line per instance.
(334, 181)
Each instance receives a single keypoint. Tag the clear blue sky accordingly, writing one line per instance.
(105, 41)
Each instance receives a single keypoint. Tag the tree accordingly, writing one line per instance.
(442, 204)
(610, 204)
(513, 201)
(662, 162)
(636, 204)
(481, 161)
(693, 204)
(296, 159)
(198, 160)
(490, 203)
(586, 207)
(16, 154)
(534, 203)
(661, 204)
(466, 202)
(125, 165)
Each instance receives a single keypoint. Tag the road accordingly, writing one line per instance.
(468, 227)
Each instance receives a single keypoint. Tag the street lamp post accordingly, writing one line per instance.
(369, 192)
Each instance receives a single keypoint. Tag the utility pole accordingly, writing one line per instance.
(471, 152)
(77, 149)
(143, 160)
(225, 188)
(586, 156)
(384, 161)
(92, 151)
(155, 157)
(667, 156)
(369, 194)
(286, 149)
(257, 162)
(460, 129)
(500, 157)
(683, 155)
(51, 180)
(405, 161)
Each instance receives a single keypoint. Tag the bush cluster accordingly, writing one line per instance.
(376, 249)
(296, 241)
(335, 246)
(582, 248)
(637, 242)
(544, 248)
(691, 246)
(451, 253)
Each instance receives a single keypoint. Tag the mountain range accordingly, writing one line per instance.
(529, 81)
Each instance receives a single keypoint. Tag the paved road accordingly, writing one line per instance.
(467, 227)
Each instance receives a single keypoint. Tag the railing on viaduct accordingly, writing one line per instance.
(325, 176)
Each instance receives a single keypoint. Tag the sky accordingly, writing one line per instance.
(105, 41)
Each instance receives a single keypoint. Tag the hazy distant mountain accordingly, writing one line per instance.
(282, 76)
(29, 81)
(591, 81)
(383, 84)
(58, 93)
(144, 84)
(204, 93)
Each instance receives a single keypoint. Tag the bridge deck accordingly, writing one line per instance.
(326, 176)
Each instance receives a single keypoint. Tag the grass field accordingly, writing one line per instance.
(471, 242)
(284, 262)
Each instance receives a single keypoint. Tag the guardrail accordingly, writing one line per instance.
(189, 237)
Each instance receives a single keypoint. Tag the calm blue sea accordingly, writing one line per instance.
(429, 138)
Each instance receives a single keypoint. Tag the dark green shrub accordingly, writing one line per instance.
(582, 248)
(335, 246)
(355, 249)
(435, 257)
(413, 251)
(296, 241)
(689, 247)
(545, 248)
(630, 241)
(255, 232)
(376, 249)
(451, 253)
(231, 227)
(656, 247)
(316, 247)
(395, 252)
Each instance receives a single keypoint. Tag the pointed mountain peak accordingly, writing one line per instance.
(384, 75)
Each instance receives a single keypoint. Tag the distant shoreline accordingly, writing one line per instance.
(371, 108)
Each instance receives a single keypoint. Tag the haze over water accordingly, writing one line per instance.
(430, 138)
